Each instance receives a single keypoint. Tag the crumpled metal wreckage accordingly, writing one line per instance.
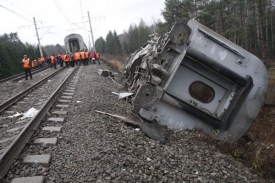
(192, 77)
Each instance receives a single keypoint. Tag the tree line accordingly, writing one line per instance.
(125, 43)
(12, 51)
(248, 23)
(11, 54)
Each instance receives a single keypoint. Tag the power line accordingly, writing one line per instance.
(81, 9)
(21, 16)
(63, 14)
(19, 8)
(26, 12)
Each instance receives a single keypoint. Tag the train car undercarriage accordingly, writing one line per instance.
(191, 77)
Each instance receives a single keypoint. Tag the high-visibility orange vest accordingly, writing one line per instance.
(76, 56)
(86, 54)
(52, 59)
(67, 58)
(63, 57)
(82, 54)
(40, 61)
(26, 63)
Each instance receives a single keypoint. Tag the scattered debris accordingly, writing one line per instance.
(29, 114)
(16, 115)
(153, 130)
(78, 102)
(105, 73)
(123, 95)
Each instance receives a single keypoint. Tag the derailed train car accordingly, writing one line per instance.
(191, 77)
(74, 42)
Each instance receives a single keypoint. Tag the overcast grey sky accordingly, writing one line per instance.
(67, 16)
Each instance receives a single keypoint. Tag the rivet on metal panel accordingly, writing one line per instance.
(155, 109)
(239, 61)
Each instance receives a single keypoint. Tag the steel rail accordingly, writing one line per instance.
(33, 72)
(14, 149)
(22, 74)
(17, 97)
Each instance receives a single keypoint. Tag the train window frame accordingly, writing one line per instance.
(201, 97)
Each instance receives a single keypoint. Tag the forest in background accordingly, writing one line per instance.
(248, 23)
(12, 51)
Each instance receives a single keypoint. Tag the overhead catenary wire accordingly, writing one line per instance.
(63, 14)
(18, 14)
(26, 15)
(25, 12)
(82, 13)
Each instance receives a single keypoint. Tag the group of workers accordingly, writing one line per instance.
(82, 57)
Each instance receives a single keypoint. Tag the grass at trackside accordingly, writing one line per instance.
(257, 148)
(116, 62)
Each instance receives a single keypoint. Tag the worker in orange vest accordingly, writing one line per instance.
(42, 61)
(53, 61)
(67, 59)
(39, 62)
(76, 57)
(34, 64)
(86, 53)
(26, 62)
(63, 58)
(82, 57)
(97, 57)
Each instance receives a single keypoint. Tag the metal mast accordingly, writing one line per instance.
(41, 53)
(91, 31)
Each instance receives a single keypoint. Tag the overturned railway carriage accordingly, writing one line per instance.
(191, 77)
(74, 42)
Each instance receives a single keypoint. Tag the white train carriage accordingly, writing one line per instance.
(74, 42)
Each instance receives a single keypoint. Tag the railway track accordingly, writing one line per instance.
(16, 133)
(20, 76)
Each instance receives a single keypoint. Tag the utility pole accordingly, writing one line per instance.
(91, 31)
(41, 53)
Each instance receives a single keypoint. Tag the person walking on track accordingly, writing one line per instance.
(92, 56)
(77, 57)
(97, 57)
(86, 53)
(26, 62)
(82, 57)
(67, 59)
(53, 61)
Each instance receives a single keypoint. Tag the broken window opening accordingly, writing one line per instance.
(201, 92)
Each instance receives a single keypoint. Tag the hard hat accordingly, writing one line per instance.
(25, 55)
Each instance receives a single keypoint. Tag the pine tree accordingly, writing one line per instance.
(100, 45)
(110, 43)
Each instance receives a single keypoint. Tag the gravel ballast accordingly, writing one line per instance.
(93, 147)
(10, 88)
